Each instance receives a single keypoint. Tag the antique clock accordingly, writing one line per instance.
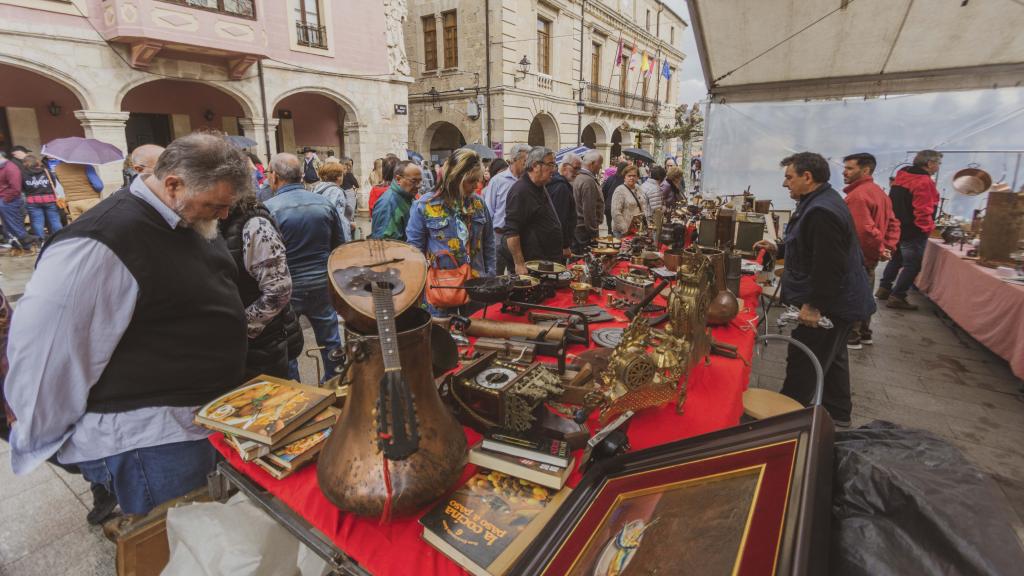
(493, 394)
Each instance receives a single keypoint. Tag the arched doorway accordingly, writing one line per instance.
(162, 110)
(543, 132)
(35, 109)
(309, 119)
(441, 139)
(594, 135)
(616, 143)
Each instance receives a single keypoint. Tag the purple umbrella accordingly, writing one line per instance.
(77, 150)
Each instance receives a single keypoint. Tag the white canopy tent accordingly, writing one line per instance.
(798, 49)
(844, 76)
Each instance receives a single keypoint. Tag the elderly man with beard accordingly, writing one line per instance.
(131, 322)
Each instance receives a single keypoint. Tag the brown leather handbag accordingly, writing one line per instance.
(445, 286)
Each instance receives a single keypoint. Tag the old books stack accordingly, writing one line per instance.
(540, 460)
(277, 424)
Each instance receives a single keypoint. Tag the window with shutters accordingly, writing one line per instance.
(595, 71)
(451, 39)
(429, 43)
(647, 26)
(668, 85)
(543, 46)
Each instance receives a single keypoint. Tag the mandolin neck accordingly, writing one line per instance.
(384, 309)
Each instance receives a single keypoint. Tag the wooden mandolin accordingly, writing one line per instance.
(353, 266)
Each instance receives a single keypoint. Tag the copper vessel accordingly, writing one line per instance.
(395, 447)
(352, 472)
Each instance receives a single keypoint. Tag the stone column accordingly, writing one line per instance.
(106, 127)
(605, 148)
(362, 163)
(253, 128)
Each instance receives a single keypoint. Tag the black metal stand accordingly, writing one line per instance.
(226, 478)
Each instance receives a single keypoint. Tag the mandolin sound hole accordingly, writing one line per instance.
(368, 286)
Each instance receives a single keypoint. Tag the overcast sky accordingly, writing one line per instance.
(691, 80)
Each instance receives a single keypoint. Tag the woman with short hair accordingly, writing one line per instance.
(628, 202)
(331, 176)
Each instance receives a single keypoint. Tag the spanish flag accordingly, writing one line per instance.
(645, 64)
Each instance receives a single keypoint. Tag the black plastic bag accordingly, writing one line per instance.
(905, 502)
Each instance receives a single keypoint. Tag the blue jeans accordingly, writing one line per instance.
(145, 478)
(315, 305)
(38, 212)
(901, 271)
(13, 214)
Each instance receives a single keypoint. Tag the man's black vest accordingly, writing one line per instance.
(186, 342)
(854, 301)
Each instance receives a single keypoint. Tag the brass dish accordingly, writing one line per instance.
(609, 242)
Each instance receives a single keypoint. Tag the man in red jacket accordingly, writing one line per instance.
(914, 200)
(878, 230)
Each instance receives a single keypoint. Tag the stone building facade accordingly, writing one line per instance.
(549, 59)
(284, 73)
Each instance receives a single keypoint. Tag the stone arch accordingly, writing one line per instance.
(544, 131)
(52, 73)
(351, 112)
(249, 109)
(440, 138)
(594, 135)
(617, 142)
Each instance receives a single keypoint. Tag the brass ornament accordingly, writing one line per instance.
(646, 369)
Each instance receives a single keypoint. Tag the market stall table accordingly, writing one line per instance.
(986, 307)
(714, 402)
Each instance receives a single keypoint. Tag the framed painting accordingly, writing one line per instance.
(751, 500)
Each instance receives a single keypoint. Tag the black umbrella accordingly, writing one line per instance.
(484, 152)
(639, 154)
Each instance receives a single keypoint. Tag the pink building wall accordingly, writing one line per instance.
(181, 97)
(315, 119)
(357, 30)
(24, 89)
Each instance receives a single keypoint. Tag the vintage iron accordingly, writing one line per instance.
(396, 447)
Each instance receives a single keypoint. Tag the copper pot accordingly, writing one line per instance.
(723, 308)
(351, 470)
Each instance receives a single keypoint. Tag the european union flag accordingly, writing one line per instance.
(665, 70)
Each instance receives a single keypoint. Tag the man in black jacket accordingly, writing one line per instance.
(560, 191)
(824, 276)
(608, 188)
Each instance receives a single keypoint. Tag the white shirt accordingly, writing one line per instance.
(76, 307)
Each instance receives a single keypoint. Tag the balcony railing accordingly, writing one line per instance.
(312, 36)
(243, 8)
(608, 97)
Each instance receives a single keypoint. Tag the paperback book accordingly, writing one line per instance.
(265, 409)
(547, 475)
(488, 522)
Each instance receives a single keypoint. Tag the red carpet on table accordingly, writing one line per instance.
(714, 401)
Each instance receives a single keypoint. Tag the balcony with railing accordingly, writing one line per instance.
(607, 97)
(311, 36)
(228, 29)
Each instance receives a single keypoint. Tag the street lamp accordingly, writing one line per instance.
(435, 98)
(524, 69)
(580, 106)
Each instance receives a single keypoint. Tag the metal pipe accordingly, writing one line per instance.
(487, 51)
(579, 111)
(263, 104)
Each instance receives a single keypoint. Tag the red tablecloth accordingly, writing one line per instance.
(990, 310)
(714, 401)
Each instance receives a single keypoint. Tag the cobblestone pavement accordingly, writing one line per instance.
(922, 371)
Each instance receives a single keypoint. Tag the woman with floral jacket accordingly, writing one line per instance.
(454, 220)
